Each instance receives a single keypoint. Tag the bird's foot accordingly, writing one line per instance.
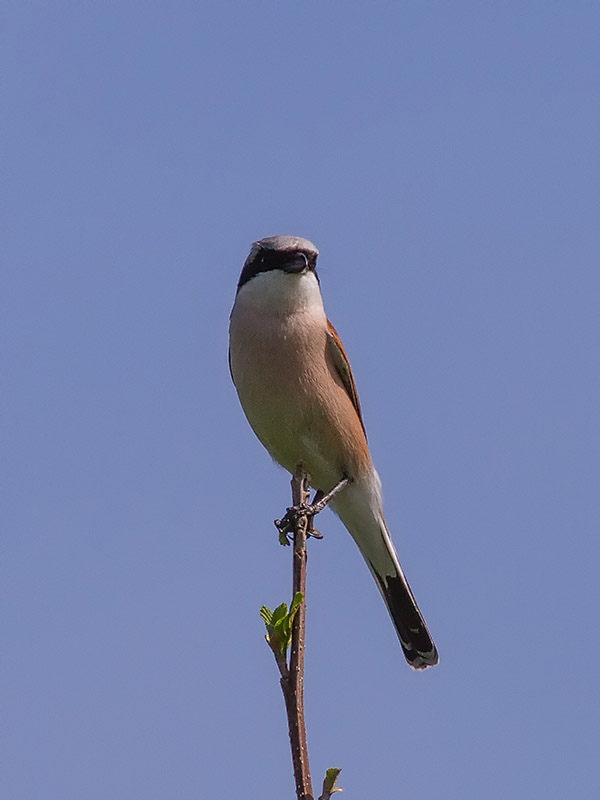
(287, 524)
(310, 527)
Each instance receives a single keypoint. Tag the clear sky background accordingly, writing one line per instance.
(444, 158)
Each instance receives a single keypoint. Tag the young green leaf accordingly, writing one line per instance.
(279, 623)
(266, 615)
(329, 786)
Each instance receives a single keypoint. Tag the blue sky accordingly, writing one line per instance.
(444, 158)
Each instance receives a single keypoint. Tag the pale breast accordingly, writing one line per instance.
(289, 395)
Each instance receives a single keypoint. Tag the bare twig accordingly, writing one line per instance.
(293, 685)
(285, 628)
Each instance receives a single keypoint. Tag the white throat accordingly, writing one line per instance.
(283, 293)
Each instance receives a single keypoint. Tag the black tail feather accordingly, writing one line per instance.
(417, 644)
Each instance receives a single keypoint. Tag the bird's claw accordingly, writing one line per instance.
(286, 525)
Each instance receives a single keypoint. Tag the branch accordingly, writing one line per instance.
(289, 627)
(293, 688)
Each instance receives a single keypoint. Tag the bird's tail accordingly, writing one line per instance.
(367, 525)
(417, 644)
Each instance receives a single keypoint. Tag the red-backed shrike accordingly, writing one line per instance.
(297, 390)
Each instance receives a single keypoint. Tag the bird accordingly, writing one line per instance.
(297, 390)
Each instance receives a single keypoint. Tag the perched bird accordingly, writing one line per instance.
(295, 385)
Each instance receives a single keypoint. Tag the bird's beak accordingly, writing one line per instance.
(296, 264)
